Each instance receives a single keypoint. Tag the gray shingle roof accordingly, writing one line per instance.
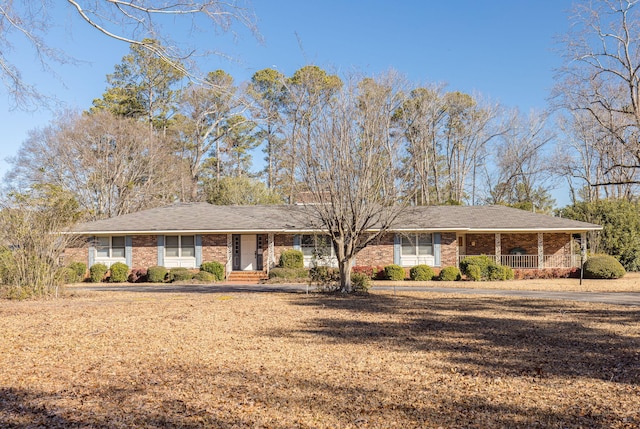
(207, 218)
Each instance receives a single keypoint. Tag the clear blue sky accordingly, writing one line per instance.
(503, 49)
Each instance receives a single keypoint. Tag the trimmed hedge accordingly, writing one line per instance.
(603, 267)
(97, 272)
(449, 274)
(360, 282)
(179, 274)
(157, 274)
(394, 272)
(80, 271)
(215, 268)
(483, 267)
(292, 259)
(421, 273)
(205, 276)
(118, 273)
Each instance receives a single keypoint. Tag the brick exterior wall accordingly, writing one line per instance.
(448, 249)
(214, 248)
(528, 242)
(77, 252)
(481, 244)
(377, 253)
(144, 253)
(557, 244)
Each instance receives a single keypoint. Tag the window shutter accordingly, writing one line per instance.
(92, 251)
(198, 250)
(397, 245)
(128, 248)
(296, 242)
(161, 250)
(436, 249)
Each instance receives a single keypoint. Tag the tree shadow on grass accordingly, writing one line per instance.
(505, 336)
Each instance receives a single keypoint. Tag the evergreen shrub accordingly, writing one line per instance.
(292, 259)
(603, 267)
(118, 272)
(421, 273)
(215, 268)
(394, 272)
(157, 274)
(179, 274)
(97, 272)
(449, 274)
(80, 270)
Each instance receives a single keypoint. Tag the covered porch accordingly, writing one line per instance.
(525, 250)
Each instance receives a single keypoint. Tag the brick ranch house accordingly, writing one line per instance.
(251, 238)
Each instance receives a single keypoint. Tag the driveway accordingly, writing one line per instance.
(616, 298)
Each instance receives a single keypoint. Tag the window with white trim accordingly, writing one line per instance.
(110, 247)
(180, 246)
(416, 249)
(317, 249)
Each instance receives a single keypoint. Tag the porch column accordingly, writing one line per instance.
(229, 265)
(540, 250)
(583, 248)
(498, 238)
(271, 254)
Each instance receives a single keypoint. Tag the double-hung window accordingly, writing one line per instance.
(417, 249)
(317, 249)
(180, 246)
(110, 247)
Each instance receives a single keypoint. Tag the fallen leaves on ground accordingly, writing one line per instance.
(292, 360)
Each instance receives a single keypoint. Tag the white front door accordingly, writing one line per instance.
(247, 252)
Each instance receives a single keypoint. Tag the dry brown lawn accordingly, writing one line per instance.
(291, 360)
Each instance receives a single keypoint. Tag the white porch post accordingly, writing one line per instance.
(229, 266)
(583, 247)
(540, 250)
(271, 254)
(498, 238)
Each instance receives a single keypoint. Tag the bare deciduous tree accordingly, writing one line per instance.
(112, 165)
(601, 78)
(351, 169)
(132, 22)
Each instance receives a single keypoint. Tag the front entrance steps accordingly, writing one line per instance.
(246, 277)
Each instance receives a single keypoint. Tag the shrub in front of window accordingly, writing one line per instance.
(394, 272)
(118, 273)
(292, 259)
(449, 274)
(97, 272)
(80, 271)
(360, 282)
(205, 277)
(157, 274)
(215, 268)
(179, 274)
(137, 275)
(603, 267)
(324, 275)
(421, 273)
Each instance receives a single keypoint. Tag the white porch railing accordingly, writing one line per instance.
(532, 261)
